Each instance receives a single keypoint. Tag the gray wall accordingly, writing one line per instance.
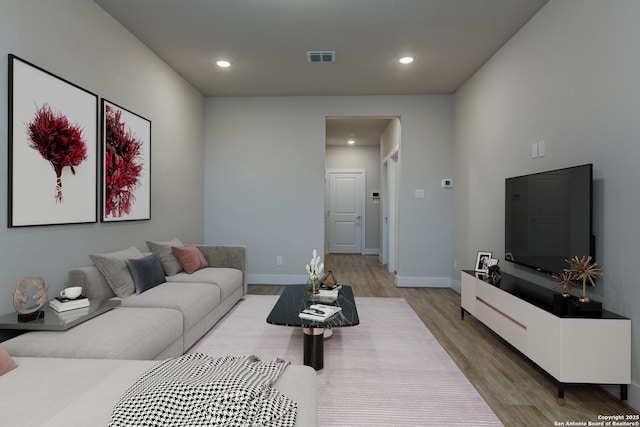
(570, 77)
(264, 180)
(80, 42)
(367, 158)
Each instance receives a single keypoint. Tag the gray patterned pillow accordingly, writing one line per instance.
(114, 269)
(168, 260)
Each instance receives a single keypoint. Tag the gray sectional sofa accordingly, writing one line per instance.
(163, 321)
(55, 392)
(79, 374)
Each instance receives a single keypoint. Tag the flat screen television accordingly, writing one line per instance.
(548, 218)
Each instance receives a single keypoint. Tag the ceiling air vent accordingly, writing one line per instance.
(321, 56)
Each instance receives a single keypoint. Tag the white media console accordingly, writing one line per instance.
(570, 349)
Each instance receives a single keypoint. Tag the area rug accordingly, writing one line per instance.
(387, 371)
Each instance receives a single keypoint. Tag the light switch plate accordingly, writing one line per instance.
(534, 150)
(542, 148)
(420, 193)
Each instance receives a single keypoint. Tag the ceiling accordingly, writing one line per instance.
(364, 130)
(266, 42)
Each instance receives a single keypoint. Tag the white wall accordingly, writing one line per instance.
(264, 180)
(391, 138)
(367, 158)
(80, 42)
(570, 77)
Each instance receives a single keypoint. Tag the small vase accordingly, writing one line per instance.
(313, 285)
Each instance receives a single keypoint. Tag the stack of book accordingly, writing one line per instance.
(326, 295)
(319, 312)
(60, 304)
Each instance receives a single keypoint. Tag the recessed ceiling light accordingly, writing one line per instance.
(406, 60)
(223, 64)
(351, 141)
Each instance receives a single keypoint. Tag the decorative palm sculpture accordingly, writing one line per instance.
(57, 141)
(580, 269)
(584, 269)
(565, 279)
(123, 165)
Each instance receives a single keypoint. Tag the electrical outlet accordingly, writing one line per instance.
(279, 260)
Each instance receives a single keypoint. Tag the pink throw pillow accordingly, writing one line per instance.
(6, 362)
(190, 258)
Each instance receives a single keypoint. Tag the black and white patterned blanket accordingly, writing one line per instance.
(199, 390)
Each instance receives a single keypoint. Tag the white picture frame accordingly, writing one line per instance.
(482, 260)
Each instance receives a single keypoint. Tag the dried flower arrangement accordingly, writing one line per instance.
(123, 165)
(315, 268)
(58, 141)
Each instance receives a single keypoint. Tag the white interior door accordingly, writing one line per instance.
(345, 219)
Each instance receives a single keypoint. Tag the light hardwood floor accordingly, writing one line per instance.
(519, 392)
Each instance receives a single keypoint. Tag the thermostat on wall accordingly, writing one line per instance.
(446, 183)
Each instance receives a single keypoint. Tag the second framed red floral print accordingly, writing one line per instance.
(126, 164)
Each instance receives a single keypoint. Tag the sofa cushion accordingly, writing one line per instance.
(193, 300)
(168, 260)
(6, 362)
(146, 272)
(228, 280)
(190, 257)
(112, 265)
(121, 333)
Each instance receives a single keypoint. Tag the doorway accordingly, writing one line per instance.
(390, 210)
(357, 144)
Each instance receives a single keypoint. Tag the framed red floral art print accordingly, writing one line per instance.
(53, 148)
(126, 164)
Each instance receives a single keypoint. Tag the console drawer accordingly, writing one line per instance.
(504, 314)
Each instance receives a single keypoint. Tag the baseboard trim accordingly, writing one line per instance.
(371, 251)
(423, 282)
(400, 281)
(456, 285)
(276, 279)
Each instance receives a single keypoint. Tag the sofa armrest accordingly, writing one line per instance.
(93, 283)
(229, 256)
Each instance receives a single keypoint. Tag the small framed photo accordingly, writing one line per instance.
(482, 261)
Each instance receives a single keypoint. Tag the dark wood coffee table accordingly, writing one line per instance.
(296, 298)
